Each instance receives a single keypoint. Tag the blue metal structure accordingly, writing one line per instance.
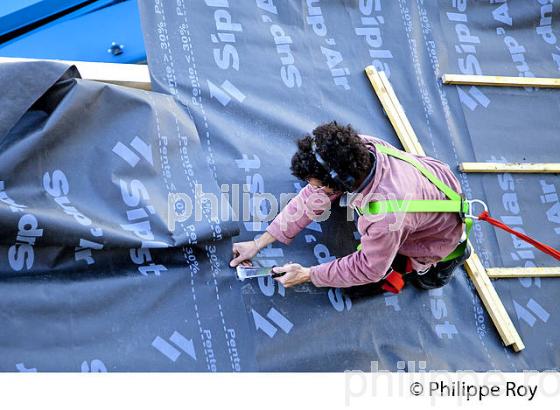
(103, 30)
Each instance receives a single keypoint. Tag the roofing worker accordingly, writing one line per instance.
(360, 170)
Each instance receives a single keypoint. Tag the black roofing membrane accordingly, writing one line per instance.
(236, 85)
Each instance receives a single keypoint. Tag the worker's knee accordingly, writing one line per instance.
(433, 278)
(440, 274)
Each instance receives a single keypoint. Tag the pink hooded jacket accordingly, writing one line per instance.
(424, 237)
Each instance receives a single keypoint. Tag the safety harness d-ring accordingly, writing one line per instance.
(470, 207)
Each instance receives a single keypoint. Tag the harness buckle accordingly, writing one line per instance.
(462, 212)
(470, 203)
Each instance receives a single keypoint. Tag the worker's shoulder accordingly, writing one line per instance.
(371, 140)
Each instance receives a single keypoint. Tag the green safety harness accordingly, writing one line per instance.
(455, 202)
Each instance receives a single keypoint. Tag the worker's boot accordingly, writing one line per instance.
(440, 274)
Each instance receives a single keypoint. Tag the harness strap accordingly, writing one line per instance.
(455, 203)
(484, 216)
(460, 250)
(414, 205)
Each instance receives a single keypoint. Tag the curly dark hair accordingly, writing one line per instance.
(342, 150)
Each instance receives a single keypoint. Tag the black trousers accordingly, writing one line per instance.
(437, 276)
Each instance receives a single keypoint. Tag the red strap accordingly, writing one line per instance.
(408, 267)
(484, 216)
(393, 283)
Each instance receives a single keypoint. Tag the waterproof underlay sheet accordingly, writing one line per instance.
(92, 279)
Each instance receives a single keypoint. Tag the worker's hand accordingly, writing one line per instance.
(295, 274)
(243, 252)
